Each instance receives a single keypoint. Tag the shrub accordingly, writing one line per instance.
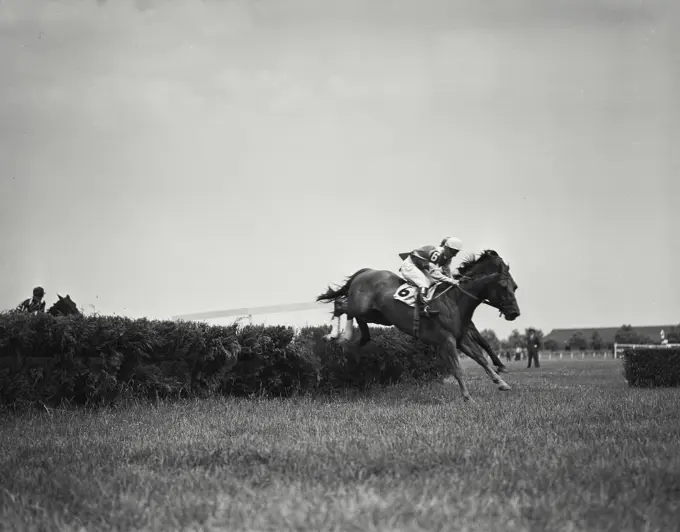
(652, 366)
(99, 359)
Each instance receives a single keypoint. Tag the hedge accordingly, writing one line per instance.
(99, 359)
(652, 366)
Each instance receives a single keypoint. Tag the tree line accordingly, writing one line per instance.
(578, 341)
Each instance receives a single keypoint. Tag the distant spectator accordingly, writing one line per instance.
(518, 353)
(533, 345)
(35, 303)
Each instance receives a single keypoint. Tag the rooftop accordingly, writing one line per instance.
(607, 334)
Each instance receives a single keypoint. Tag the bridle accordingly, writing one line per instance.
(464, 278)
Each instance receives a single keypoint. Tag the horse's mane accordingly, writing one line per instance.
(471, 261)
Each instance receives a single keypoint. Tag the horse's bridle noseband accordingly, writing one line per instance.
(464, 278)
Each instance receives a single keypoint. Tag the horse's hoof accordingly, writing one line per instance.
(504, 388)
(501, 369)
(467, 398)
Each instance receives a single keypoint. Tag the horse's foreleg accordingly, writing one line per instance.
(474, 335)
(449, 353)
(500, 367)
(473, 350)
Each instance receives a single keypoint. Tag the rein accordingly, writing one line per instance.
(485, 301)
(466, 278)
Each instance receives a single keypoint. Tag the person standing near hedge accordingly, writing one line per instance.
(533, 344)
(34, 304)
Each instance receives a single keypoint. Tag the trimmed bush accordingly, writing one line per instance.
(99, 359)
(390, 357)
(652, 366)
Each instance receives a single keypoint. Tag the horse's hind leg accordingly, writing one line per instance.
(339, 308)
(365, 332)
(348, 333)
(358, 306)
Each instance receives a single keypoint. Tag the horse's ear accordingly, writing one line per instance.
(59, 296)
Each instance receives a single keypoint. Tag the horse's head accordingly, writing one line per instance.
(500, 291)
(64, 306)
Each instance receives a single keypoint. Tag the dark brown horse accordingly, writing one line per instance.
(65, 306)
(368, 297)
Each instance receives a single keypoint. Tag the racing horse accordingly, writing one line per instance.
(64, 306)
(367, 296)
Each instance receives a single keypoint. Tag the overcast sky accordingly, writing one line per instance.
(165, 157)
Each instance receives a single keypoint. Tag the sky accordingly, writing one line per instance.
(166, 157)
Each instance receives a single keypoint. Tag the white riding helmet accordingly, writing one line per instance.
(453, 243)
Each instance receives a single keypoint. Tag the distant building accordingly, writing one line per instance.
(607, 334)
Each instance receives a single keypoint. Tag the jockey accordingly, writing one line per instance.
(34, 304)
(429, 264)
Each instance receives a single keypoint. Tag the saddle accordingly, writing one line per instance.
(409, 294)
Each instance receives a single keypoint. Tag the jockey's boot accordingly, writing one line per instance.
(426, 310)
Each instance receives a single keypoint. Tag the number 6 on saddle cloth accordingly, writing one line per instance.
(408, 293)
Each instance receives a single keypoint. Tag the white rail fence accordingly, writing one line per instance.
(620, 348)
(617, 352)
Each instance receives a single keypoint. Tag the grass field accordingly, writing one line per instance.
(570, 448)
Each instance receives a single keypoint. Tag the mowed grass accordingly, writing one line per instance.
(570, 448)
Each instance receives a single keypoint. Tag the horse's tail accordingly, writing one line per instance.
(334, 293)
